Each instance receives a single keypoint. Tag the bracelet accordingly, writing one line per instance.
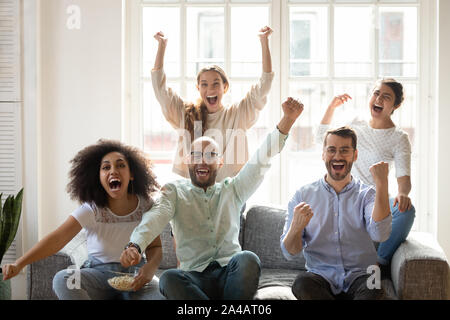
(132, 244)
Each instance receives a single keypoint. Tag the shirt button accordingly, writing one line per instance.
(335, 232)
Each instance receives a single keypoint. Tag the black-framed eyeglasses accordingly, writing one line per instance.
(208, 155)
(345, 151)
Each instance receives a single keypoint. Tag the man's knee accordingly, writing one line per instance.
(247, 259)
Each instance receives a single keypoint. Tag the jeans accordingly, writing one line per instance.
(236, 281)
(401, 225)
(93, 283)
(311, 286)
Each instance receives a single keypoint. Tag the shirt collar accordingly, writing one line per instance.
(209, 190)
(329, 188)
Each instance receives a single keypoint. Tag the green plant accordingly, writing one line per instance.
(9, 220)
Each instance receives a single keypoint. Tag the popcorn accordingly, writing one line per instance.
(122, 283)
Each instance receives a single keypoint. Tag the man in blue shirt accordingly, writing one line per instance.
(335, 221)
(205, 219)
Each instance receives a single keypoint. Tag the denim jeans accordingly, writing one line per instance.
(311, 286)
(236, 281)
(93, 283)
(401, 225)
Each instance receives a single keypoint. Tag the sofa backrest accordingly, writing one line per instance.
(262, 231)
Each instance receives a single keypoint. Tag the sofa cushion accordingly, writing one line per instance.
(275, 284)
(263, 228)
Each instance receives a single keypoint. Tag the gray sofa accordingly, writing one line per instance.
(419, 267)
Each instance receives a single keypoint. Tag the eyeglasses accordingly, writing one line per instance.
(198, 155)
(331, 151)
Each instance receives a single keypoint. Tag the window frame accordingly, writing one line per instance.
(426, 32)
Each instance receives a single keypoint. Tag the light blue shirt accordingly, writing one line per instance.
(206, 224)
(338, 240)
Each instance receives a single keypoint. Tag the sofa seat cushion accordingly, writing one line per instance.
(275, 284)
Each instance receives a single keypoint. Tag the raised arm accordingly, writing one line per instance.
(259, 163)
(381, 207)
(162, 43)
(264, 34)
(48, 246)
(172, 105)
(402, 198)
(336, 102)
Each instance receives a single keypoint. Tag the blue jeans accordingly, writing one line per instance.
(93, 283)
(401, 225)
(236, 281)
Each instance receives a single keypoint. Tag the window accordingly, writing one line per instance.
(320, 48)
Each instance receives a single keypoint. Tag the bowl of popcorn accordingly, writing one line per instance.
(121, 281)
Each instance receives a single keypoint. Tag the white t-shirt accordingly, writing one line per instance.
(107, 233)
(374, 145)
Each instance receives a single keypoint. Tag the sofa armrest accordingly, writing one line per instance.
(40, 276)
(419, 269)
(40, 273)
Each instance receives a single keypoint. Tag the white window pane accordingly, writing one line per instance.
(352, 41)
(357, 106)
(308, 1)
(398, 42)
(206, 1)
(308, 41)
(156, 19)
(354, 1)
(160, 1)
(163, 170)
(159, 135)
(399, 1)
(249, 1)
(205, 38)
(313, 97)
(303, 155)
(245, 44)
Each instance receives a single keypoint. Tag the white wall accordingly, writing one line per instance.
(442, 123)
(72, 97)
(81, 93)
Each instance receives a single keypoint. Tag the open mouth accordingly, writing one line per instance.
(212, 99)
(338, 166)
(377, 109)
(115, 184)
(202, 172)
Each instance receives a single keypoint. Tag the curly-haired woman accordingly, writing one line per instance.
(113, 183)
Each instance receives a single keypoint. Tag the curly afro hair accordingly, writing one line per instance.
(85, 185)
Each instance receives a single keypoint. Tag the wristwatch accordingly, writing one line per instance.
(132, 244)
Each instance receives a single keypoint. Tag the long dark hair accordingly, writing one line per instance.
(85, 185)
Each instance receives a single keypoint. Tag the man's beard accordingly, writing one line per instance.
(339, 176)
(211, 180)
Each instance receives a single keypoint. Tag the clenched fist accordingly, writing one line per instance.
(302, 215)
(162, 40)
(292, 108)
(380, 172)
